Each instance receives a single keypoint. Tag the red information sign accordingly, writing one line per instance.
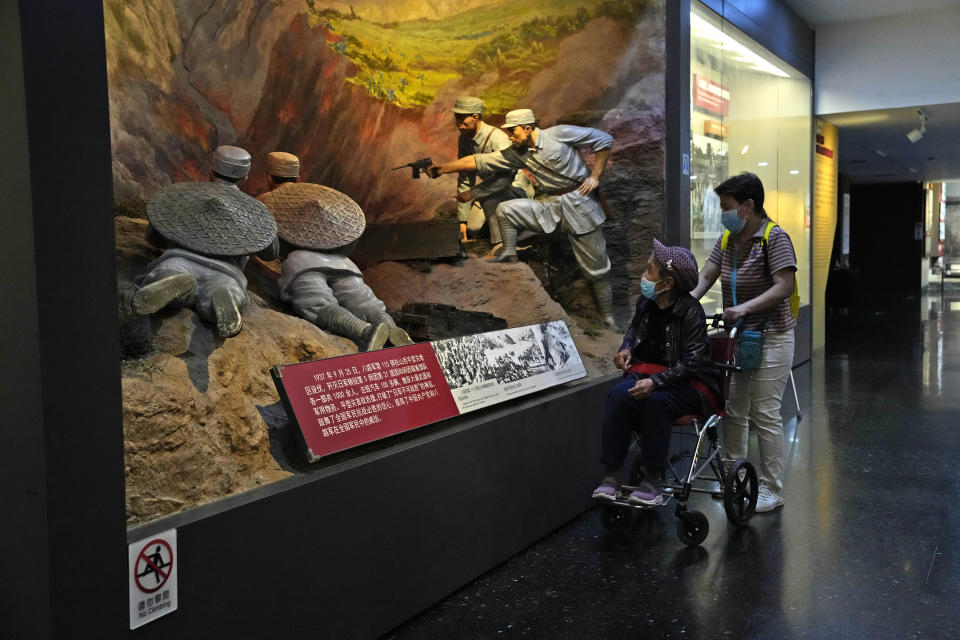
(710, 96)
(351, 400)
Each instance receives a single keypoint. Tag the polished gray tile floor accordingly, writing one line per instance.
(864, 547)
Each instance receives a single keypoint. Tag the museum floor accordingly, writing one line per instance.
(864, 548)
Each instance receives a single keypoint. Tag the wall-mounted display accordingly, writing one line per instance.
(312, 106)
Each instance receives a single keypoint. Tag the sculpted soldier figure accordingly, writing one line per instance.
(318, 228)
(566, 195)
(282, 167)
(476, 136)
(230, 165)
(209, 230)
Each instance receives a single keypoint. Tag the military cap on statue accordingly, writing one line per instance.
(231, 162)
(283, 165)
(467, 105)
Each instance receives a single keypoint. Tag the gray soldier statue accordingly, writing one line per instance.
(318, 228)
(566, 193)
(476, 136)
(210, 229)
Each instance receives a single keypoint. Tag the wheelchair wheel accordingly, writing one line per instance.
(616, 518)
(692, 527)
(740, 490)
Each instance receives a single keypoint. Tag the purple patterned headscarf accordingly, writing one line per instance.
(678, 263)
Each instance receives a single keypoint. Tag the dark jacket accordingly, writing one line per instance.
(687, 346)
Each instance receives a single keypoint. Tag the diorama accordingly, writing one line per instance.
(276, 202)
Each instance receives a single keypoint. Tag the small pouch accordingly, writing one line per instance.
(750, 349)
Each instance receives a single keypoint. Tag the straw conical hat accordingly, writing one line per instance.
(211, 218)
(312, 216)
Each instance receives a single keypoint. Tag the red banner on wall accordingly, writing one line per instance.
(351, 400)
(710, 96)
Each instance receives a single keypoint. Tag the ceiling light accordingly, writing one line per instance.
(914, 135)
(746, 148)
(794, 172)
(762, 164)
(880, 153)
(705, 29)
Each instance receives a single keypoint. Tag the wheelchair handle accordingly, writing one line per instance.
(736, 327)
(717, 319)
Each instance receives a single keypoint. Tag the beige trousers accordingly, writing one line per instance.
(757, 396)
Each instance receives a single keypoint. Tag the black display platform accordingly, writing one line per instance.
(355, 549)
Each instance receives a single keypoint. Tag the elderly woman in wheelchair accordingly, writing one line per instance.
(668, 373)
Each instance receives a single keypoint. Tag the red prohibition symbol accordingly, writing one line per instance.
(158, 564)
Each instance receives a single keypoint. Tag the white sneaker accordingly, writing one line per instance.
(769, 499)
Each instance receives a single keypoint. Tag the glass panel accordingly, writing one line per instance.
(749, 112)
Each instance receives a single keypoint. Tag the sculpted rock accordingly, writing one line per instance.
(512, 292)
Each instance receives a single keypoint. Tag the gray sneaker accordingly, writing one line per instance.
(769, 499)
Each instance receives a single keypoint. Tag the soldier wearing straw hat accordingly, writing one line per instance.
(282, 168)
(210, 229)
(318, 227)
(476, 136)
(566, 196)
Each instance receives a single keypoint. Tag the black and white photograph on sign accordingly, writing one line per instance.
(491, 367)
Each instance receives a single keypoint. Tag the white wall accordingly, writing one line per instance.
(882, 63)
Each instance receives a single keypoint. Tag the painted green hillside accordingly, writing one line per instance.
(407, 62)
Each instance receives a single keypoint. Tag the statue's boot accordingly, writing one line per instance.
(508, 233)
(399, 337)
(229, 319)
(157, 295)
(604, 295)
(374, 336)
(369, 337)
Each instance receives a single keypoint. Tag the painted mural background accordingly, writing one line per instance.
(355, 89)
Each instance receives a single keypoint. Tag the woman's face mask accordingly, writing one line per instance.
(731, 221)
(647, 288)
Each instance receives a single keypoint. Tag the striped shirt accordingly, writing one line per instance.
(753, 279)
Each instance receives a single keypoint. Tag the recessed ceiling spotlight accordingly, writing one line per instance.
(762, 164)
(746, 148)
(794, 172)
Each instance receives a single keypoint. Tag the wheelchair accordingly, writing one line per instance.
(696, 467)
